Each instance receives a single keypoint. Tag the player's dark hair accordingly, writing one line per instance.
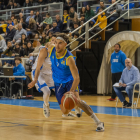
(18, 58)
(118, 45)
(64, 36)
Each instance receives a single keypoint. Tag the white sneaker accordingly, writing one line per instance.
(68, 115)
(46, 111)
(100, 127)
(78, 111)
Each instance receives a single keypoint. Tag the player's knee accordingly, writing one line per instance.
(46, 90)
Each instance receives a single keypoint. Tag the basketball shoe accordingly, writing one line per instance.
(46, 111)
(100, 127)
(68, 115)
(78, 112)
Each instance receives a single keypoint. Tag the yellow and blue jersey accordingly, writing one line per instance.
(60, 69)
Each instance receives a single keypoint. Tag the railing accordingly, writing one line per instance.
(86, 42)
(51, 8)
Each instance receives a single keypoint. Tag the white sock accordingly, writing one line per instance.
(46, 94)
(94, 117)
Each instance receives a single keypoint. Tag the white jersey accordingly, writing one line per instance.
(46, 67)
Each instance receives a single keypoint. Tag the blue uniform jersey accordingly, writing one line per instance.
(60, 69)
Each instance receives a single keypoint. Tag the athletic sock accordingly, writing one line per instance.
(94, 117)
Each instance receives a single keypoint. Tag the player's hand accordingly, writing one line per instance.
(32, 84)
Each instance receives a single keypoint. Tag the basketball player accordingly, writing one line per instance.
(45, 81)
(65, 76)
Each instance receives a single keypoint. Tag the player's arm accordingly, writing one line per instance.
(42, 55)
(74, 72)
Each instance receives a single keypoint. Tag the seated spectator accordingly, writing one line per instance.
(50, 1)
(16, 50)
(7, 53)
(29, 48)
(48, 20)
(16, 5)
(115, 11)
(15, 24)
(102, 23)
(91, 24)
(27, 4)
(19, 32)
(31, 16)
(18, 70)
(10, 34)
(89, 13)
(130, 76)
(8, 23)
(31, 30)
(40, 2)
(36, 39)
(68, 4)
(44, 40)
(2, 6)
(82, 19)
(3, 27)
(65, 19)
(20, 17)
(13, 17)
(38, 18)
(76, 25)
(23, 39)
(23, 50)
(72, 14)
(83, 11)
(23, 23)
(102, 5)
(10, 5)
(47, 29)
(55, 27)
(50, 36)
(3, 46)
(75, 43)
(59, 23)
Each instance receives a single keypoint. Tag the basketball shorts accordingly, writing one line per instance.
(61, 89)
(43, 80)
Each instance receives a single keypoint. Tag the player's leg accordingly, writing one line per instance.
(87, 109)
(41, 86)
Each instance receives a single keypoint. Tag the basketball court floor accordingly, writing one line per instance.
(24, 120)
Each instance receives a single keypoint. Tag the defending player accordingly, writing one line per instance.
(65, 75)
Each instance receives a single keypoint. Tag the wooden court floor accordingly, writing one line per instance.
(28, 123)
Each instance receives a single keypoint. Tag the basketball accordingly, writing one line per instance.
(69, 101)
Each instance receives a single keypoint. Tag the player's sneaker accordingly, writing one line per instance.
(68, 115)
(46, 110)
(100, 127)
(78, 111)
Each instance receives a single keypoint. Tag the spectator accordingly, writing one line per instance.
(59, 23)
(20, 17)
(16, 5)
(2, 6)
(50, 36)
(15, 24)
(16, 50)
(22, 22)
(82, 19)
(18, 70)
(23, 50)
(19, 32)
(3, 27)
(91, 24)
(3, 46)
(55, 27)
(10, 5)
(7, 53)
(35, 40)
(10, 34)
(31, 16)
(27, 4)
(83, 11)
(68, 5)
(89, 13)
(23, 39)
(65, 19)
(50, 1)
(13, 17)
(29, 48)
(102, 21)
(47, 29)
(38, 18)
(48, 20)
(115, 11)
(130, 76)
(9, 22)
(75, 43)
(41, 2)
(117, 66)
(72, 14)
(44, 40)
(32, 27)
(102, 5)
